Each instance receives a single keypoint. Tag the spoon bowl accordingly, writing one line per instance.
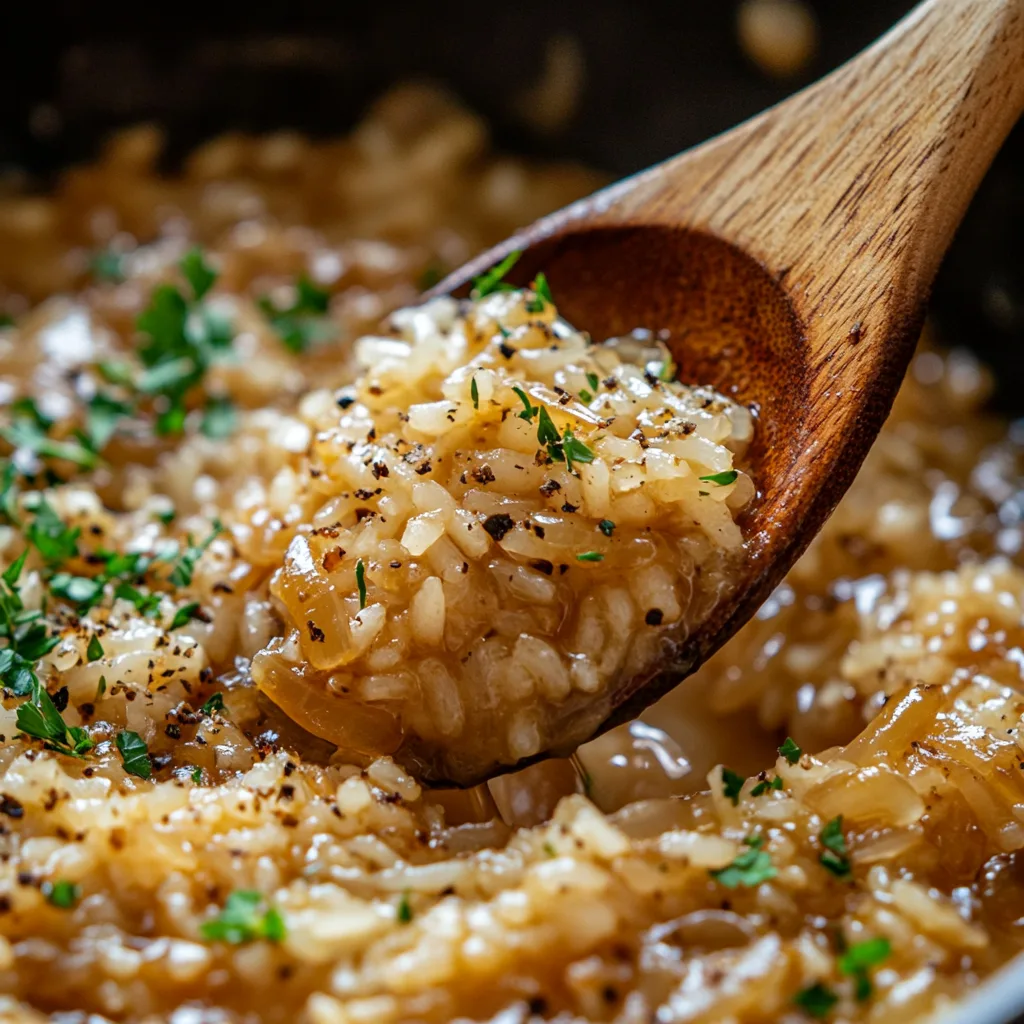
(788, 264)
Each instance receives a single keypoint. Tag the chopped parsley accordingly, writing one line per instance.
(816, 1000)
(303, 323)
(29, 432)
(95, 649)
(492, 281)
(474, 393)
(547, 432)
(103, 415)
(197, 775)
(529, 410)
(219, 418)
(732, 785)
(403, 913)
(145, 604)
(590, 556)
(541, 295)
(184, 614)
(107, 266)
(77, 590)
(790, 751)
(834, 856)
(63, 894)
(749, 869)
(858, 959)
(594, 381)
(39, 718)
(667, 372)
(722, 479)
(575, 450)
(586, 396)
(183, 338)
(185, 564)
(765, 786)
(134, 754)
(27, 637)
(47, 533)
(215, 702)
(607, 527)
(361, 583)
(246, 917)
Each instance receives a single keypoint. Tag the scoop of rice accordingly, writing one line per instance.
(502, 519)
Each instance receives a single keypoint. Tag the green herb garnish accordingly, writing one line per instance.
(790, 751)
(245, 918)
(197, 775)
(590, 556)
(529, 410)
(765, 785)
(361, 583)
(103, 414)
(184, 614)
(219, 418)
(214, 703)
(145, 604)
(722, 479)
(95, 649)
(39, 718)
(732, 784)
(199, 274)
(859, 958)
(749, 869)
(134, 754)
(63, 894)
(491, 281)
(541, 295)
(403, 913)
(816, 1000)
(607, 527)
(474, 393)
(304, 322)
(31, 433)
(586, 396)
(107, 265)
(834, 857)
(185, 565)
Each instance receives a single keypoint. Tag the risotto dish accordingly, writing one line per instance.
(281, 548)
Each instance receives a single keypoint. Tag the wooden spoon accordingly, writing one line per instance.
(791, 260)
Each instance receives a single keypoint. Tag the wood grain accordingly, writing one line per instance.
(791, 260)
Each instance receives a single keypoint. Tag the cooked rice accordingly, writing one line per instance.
(618, 888)
(505, 587)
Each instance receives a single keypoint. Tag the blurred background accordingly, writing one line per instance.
(616, 84)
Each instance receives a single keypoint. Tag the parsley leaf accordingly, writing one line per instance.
(403, 912)
(39, 718)
(607, 527)
(547, 432)
(302, 323)
(244, 919)
(361, 583)
(491, 281)
(134, 754)
(108, 266)
(219, 418)
(529, 410)
(184, 614)
(790, 751)
(474, 393)
(27, 433)
(54, 541)
(199, 274)
(732, 785)
(95, 649)
(102, 416)
(816, 1000)
(146, 604)
(749, 869)
(764, 786)
(63, 894)
(590, 556)
(575, 450)
(721, 479)
(834, 857)
(9, 492)
(856, 961)
(185, 565)
(78, 590)
(215, 702)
